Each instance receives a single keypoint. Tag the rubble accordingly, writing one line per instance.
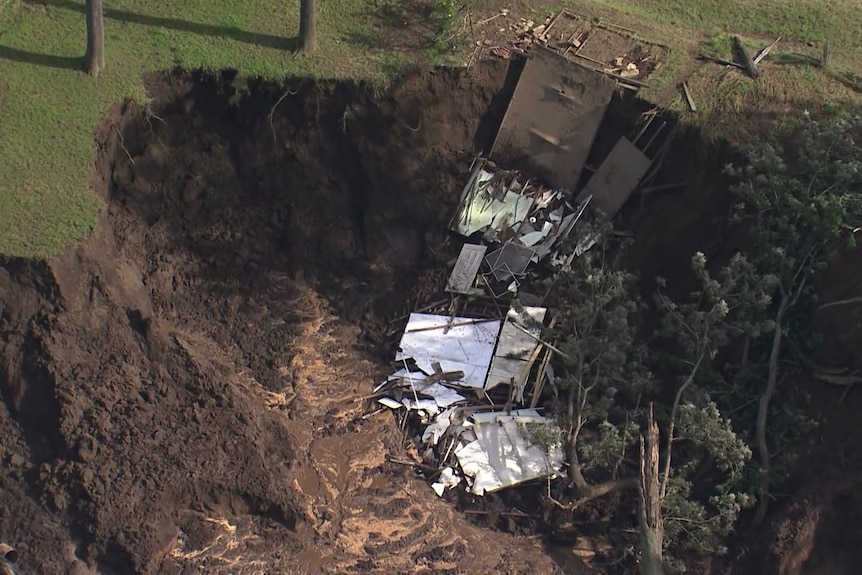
(455, 362)
(610, 49)
(530, 220)
(465, 377)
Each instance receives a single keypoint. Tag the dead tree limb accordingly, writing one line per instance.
(720, 61)
(595, 492)
(857, 299)
(847, 381)
(649, 510)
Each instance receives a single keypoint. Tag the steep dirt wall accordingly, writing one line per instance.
(179, 389)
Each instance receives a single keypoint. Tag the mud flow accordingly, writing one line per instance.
(181, 390)
(182, 393)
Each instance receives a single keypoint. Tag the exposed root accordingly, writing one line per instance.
(412, 129)
(272, 111)
(123, 142)
(149, 116)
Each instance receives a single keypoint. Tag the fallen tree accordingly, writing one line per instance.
(607, 380)
(797, 216)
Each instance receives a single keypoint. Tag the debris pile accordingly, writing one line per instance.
(454, 373)
(613, 50)
(530, 220)
(471, 375)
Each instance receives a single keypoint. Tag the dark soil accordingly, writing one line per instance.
(179, 390)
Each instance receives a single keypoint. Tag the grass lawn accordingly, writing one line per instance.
(49, 108)
(730, 103)
(807, 20)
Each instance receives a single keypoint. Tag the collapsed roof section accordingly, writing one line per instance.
(530, 211)
(466, 375)
(553, 118)
(529, 219)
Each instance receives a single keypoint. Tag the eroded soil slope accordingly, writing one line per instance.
(179, 390)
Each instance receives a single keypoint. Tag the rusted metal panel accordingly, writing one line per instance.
(553, 118)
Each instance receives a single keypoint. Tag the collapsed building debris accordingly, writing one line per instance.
(464, 376)
(449, 366)
(617, 177)
(530, 220)
(553, 118)
(514, 355)
(466, 267)
(608, 49)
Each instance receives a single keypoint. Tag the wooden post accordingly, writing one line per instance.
(94, 60)
(689, 100)
(745, 57)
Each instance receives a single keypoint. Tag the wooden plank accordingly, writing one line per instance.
(763, 53)
(688, 97)
(464, 273)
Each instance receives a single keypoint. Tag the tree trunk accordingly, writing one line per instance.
(94, 61)
(575, 474)
(307, 26)
(649, 510)
(594, 492)
(763, 411)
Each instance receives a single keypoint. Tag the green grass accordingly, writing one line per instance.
(49, 108)
(839, 21)
(805, 20)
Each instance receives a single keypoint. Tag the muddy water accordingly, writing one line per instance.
(308, 482)
(312, 561)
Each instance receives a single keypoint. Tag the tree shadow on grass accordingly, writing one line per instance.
(234, 33)
(62, 62)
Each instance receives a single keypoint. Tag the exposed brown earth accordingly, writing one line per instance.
(179, 391)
